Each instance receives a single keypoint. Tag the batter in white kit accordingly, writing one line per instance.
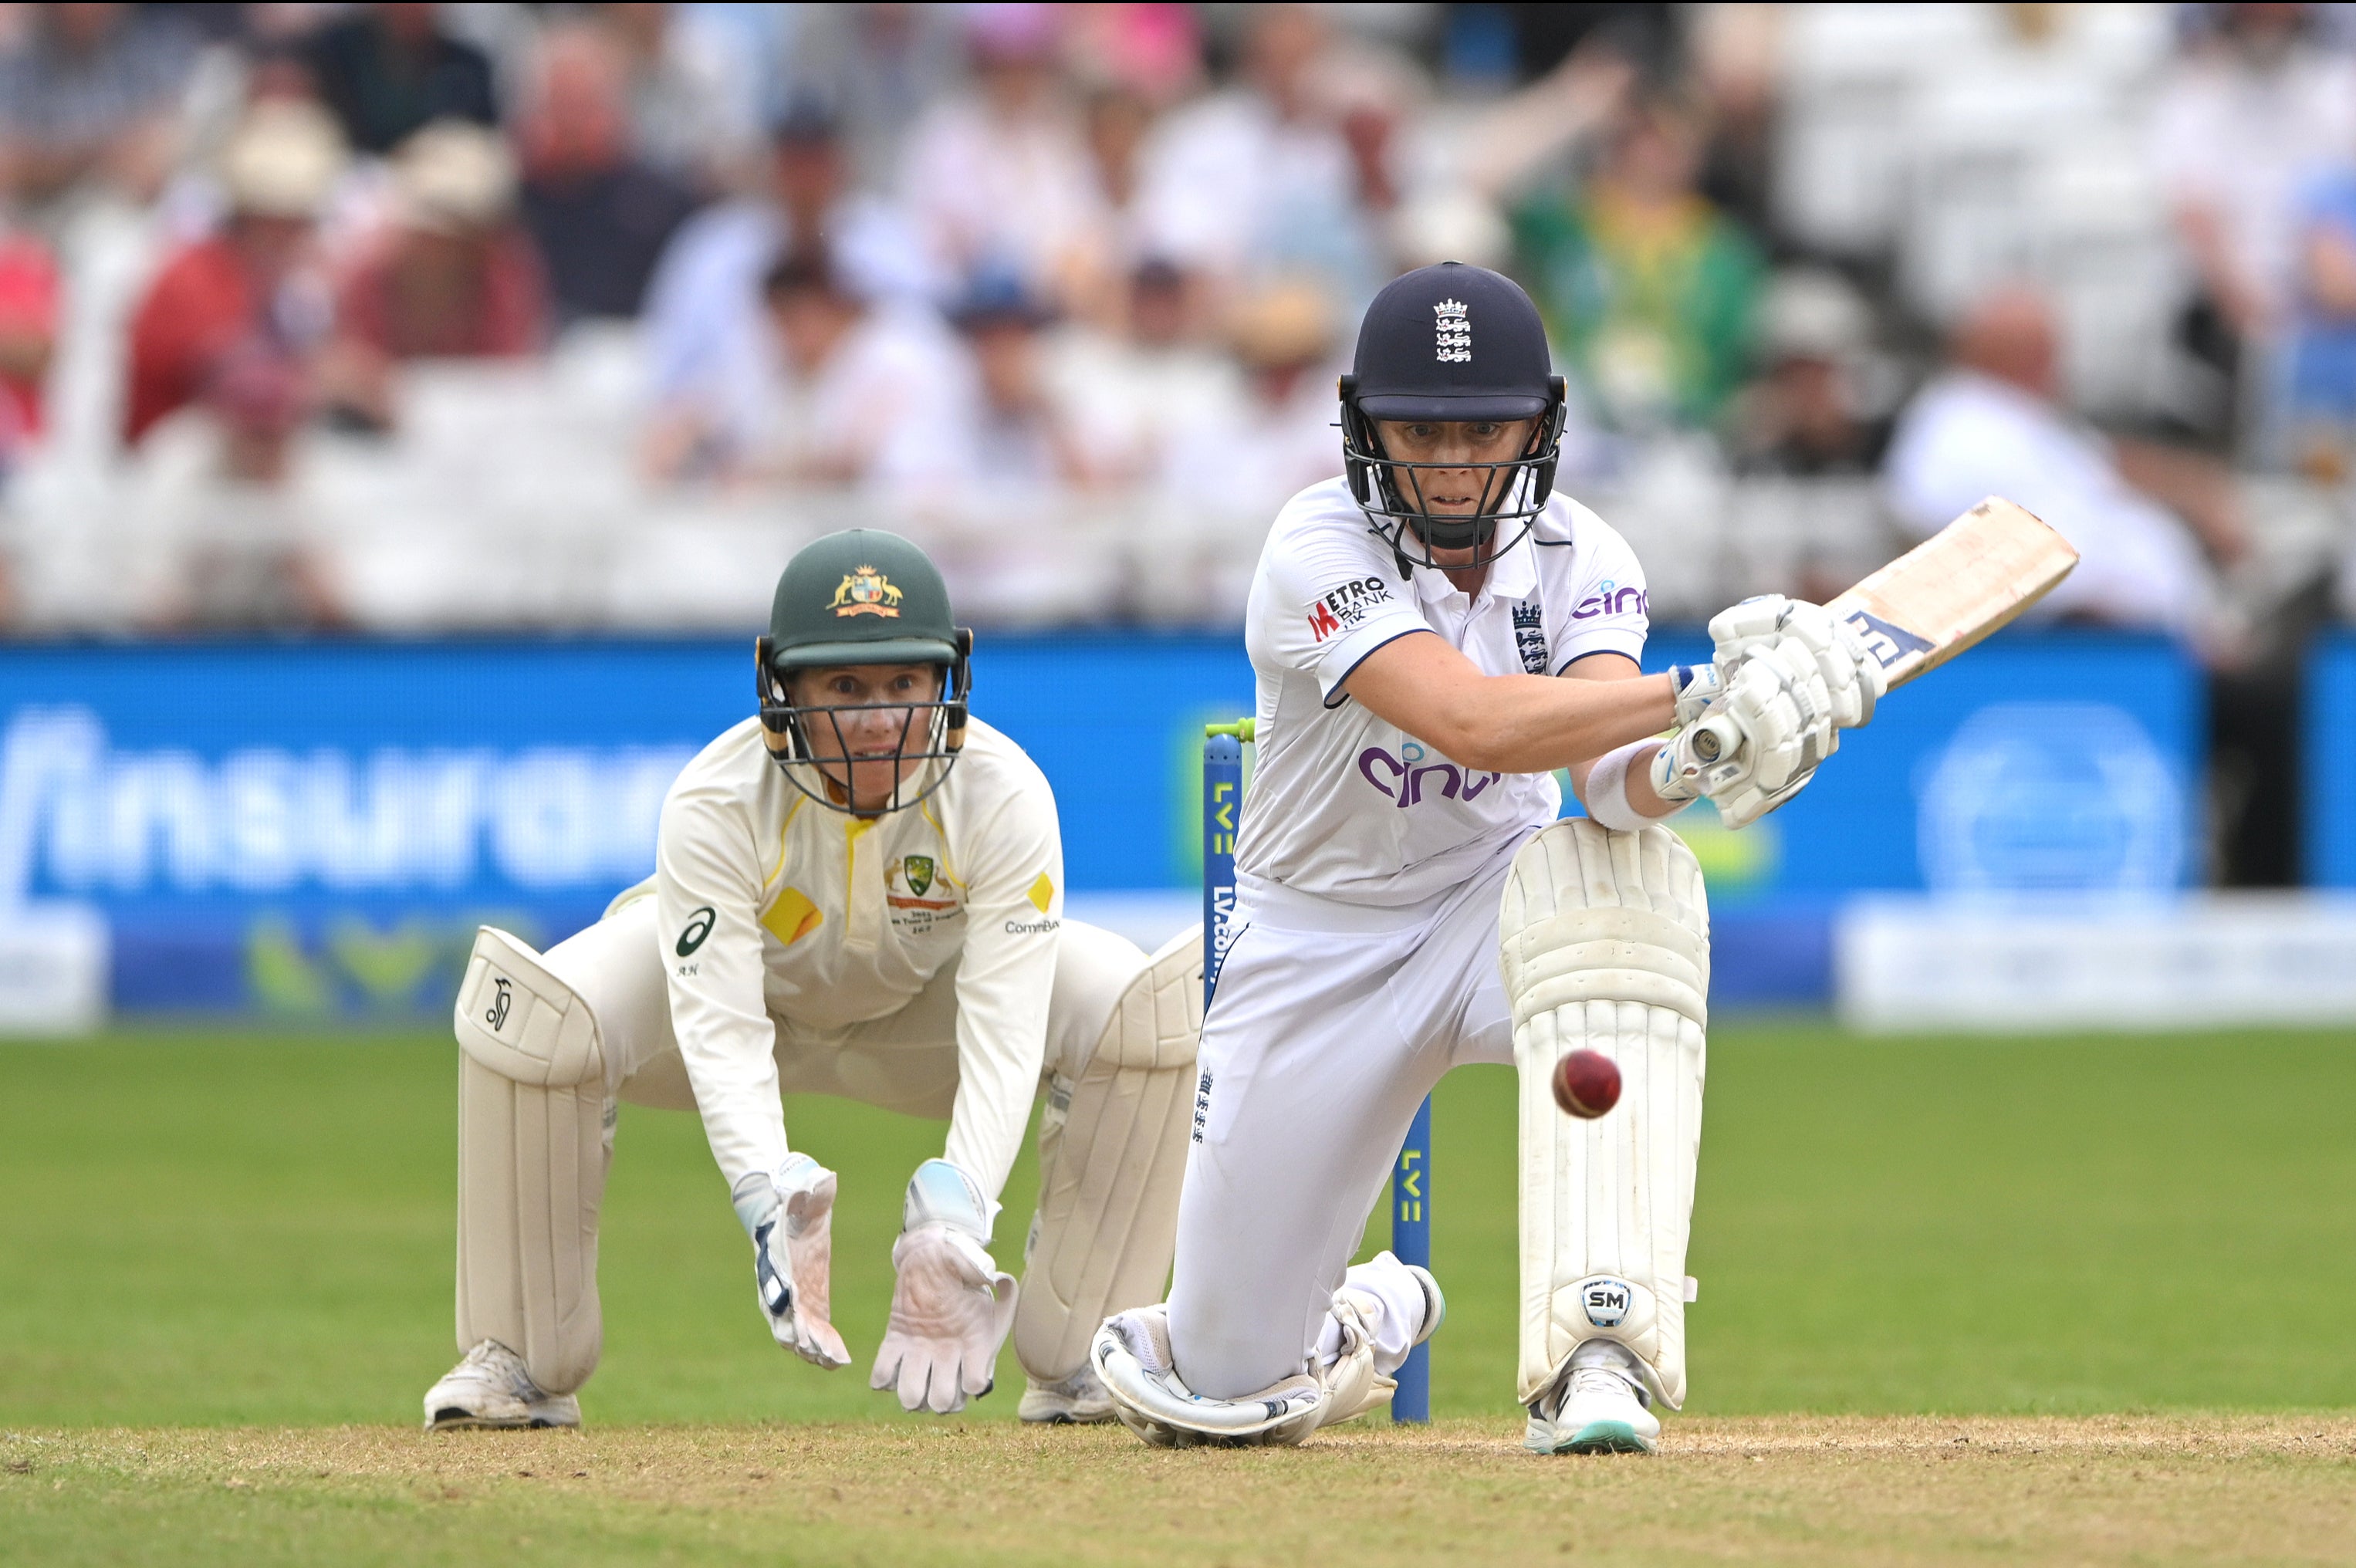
(1406, 902)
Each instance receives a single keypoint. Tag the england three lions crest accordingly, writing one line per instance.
(866, 592)
(1453, 329)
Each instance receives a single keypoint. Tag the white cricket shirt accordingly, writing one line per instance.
(778, 913)
(1346, 806)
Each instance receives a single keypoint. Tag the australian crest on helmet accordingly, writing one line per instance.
(866, 592)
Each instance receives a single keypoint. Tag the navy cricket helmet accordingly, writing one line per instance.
(1442, 344)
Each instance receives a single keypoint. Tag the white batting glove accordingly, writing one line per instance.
(1760, 744)
(1697, 685)
(790, 1214)
(952, 1307)
(1853, 678)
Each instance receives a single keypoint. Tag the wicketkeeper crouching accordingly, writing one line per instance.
(858, 892)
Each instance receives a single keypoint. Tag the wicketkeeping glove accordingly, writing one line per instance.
(952, 1307)
(791, 1217)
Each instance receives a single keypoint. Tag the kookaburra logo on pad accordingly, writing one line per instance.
(1454, 331)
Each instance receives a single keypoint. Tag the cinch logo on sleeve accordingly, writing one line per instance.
(1407, 778)
(1340, 608)
(1611, 599)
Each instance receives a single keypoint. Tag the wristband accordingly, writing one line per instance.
(1606, 791)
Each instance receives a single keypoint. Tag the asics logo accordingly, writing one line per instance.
(1408, 779)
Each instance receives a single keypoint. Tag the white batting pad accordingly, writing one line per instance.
(533, 1148)
(1112, 1151)
(1605, 939)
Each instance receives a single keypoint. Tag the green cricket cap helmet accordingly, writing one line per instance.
(863, 596)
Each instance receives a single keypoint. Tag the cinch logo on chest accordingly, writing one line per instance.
(1409, 776)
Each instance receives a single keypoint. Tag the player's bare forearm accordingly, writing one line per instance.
(1509, 724)
(1637, 783)
(1637, 780)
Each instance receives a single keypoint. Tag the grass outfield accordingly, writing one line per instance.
(207, 1230)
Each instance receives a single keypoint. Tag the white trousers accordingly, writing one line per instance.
(1330, 1024)
(528, 1205)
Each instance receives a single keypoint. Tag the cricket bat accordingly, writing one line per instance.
(1955, 588)
(1964, 582)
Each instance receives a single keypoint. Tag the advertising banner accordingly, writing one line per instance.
(310, 829)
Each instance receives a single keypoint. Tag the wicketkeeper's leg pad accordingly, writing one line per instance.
(1112, 1153)
(1605, 941)
(534, 1142)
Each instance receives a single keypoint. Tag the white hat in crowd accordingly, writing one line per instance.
(452, 177)
(283, 159)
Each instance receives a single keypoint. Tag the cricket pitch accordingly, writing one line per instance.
(1831, 1490)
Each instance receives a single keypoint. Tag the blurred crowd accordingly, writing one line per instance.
(1023, 264)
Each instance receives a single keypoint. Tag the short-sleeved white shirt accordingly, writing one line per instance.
(1346, 806)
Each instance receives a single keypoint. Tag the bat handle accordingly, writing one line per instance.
(1716, 739)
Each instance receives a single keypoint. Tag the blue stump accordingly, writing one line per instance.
(1412, 1241)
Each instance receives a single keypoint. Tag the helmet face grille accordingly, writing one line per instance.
(1391, 493)
(810, 742)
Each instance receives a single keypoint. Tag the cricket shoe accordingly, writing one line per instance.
(1597, 1406)
(490, 1388)
(1079, 1399)
(1435, 1306)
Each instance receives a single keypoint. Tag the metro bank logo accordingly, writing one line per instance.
(1611, 599)
(1408, 779)
(1345, 606)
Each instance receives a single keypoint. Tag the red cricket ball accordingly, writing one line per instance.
(1586, 1083)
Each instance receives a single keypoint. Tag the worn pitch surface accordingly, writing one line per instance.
(1815, 1489)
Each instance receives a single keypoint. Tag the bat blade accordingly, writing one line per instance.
(1956, 587)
